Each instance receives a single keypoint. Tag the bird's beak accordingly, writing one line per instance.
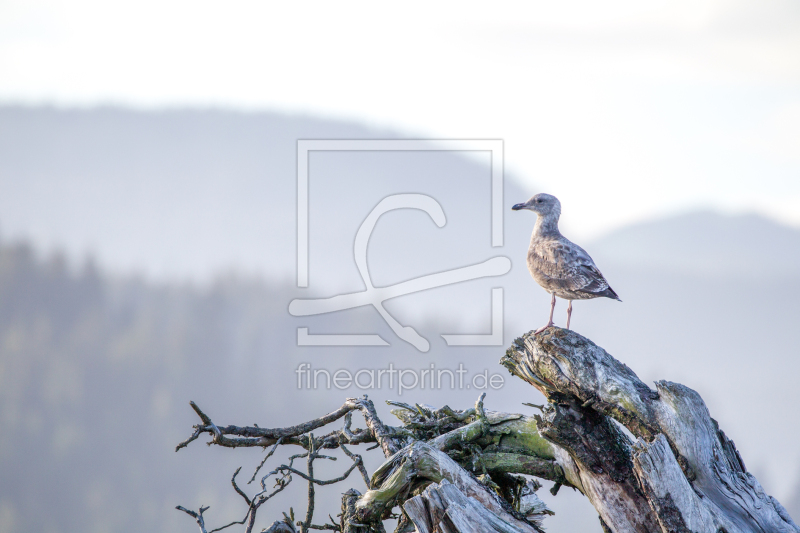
(517, 207)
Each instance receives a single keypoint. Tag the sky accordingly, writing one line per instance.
(625, 110)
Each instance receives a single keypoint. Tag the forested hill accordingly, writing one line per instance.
(95, 374)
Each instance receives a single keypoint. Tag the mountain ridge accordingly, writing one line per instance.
(706, 242)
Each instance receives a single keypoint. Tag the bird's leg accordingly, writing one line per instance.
(569, 312)
(550, 320)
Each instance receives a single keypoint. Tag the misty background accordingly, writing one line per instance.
(148, 196)
(148, 259)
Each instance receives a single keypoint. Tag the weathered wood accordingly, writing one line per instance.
(419, 465)
(418, 510)
(280, 527)
(648, 459)
(602, 453)
(683, 468)
(486, 443)
(517, 463)
(677, 507)
(347, 520)
(456, 513)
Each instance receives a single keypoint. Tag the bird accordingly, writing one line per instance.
(560, 266)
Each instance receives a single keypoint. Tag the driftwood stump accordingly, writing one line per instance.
(648, 460)
(681, 474)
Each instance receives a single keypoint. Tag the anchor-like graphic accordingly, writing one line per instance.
(375, 296)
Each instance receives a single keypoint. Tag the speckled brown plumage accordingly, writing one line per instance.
(564, 268)
(560, 266)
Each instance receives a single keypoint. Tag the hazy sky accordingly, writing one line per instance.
(625, 110)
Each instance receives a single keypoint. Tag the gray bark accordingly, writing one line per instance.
(420, 465)
(444, 507)
(681, 474)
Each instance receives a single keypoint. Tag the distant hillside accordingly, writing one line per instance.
(706, 243)
(182, 193)
(186, 194)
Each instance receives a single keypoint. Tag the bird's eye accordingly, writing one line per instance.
(538, 200)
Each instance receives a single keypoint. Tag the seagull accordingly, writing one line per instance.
(560, 266)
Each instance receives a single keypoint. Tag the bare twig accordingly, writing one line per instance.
(250, 509)
(460, 416)
(346, 431)
(275, 447)
(254, 503)
(359, 463)
(320, 481)
(437, 414)
(276, 433)
(198, 516)
(387, 439)
(312, 454)
(236, 487)
(252, 436)
(238, 522)
(184, 444)
(480, 412)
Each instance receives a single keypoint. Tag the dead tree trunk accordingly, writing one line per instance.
(451, 471)
(681, 473)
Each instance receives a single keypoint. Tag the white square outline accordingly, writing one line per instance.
(304, 146)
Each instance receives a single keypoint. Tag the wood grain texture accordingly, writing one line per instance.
(682, 467)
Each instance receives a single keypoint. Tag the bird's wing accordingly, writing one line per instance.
(567, 265)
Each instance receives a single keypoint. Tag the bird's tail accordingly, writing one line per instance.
(609, 293)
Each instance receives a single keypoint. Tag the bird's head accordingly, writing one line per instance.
(541, 204)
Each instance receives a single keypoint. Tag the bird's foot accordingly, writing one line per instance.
(541, 329)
